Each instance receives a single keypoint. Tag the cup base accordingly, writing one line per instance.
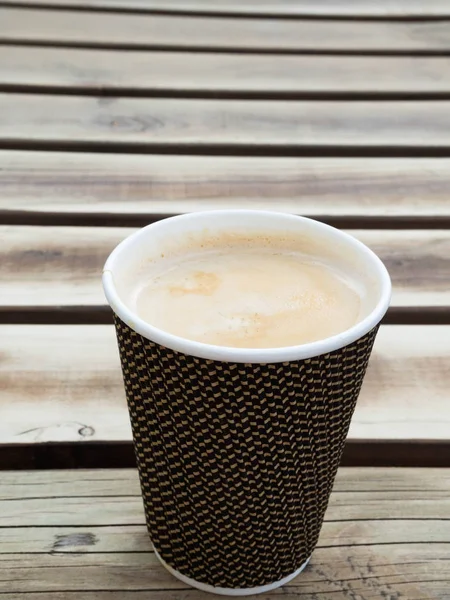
(221, 591)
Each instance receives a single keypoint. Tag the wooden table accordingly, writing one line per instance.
(115, 113)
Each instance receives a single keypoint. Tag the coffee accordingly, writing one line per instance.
(246, 295)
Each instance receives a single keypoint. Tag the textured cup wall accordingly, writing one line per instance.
(237, 461)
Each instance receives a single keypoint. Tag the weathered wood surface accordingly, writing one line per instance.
(204, 124)
(180, 73)
(385, 535)
(408, 570)
(78, 28)
(134, 538)
(299, 8)
(46, 266)
(105, 482)
(63, 384)
(150, 185)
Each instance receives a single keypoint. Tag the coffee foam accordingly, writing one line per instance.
(245, 290)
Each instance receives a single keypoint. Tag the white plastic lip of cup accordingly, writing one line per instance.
(246, 220)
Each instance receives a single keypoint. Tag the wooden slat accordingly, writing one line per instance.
(127, 30)
(104, 482)
(91, 503)
(63, 383)
(409, 569)
(379, 540)
(205, 124)
(300, 8)
(407, 362)
(47, 266)
(71, 392)
(61, 483)
(134, 538)
(152, 185)
(434, 587)
(99, 71)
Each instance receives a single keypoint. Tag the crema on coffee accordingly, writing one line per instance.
(252, 295)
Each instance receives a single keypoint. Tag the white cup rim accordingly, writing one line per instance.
(248, 355)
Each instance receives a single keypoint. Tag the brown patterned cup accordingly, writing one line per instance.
(237, 449)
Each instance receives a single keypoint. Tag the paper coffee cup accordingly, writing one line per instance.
(237, 449)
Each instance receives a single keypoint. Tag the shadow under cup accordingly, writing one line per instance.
(237, 449)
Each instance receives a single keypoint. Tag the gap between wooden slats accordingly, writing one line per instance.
(101, 315)
(113, 454)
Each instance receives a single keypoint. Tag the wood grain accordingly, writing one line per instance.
(78, 28)
(381, 542)
(73, 391)
(298, 8)
(367, 569)
(119, 508)
(154, 185)
(433, 587)
(134, 538)
(47, 266)
(178, 73)
(63, 483)
(175, 124)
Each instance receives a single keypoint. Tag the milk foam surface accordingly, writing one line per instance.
(247, 298)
